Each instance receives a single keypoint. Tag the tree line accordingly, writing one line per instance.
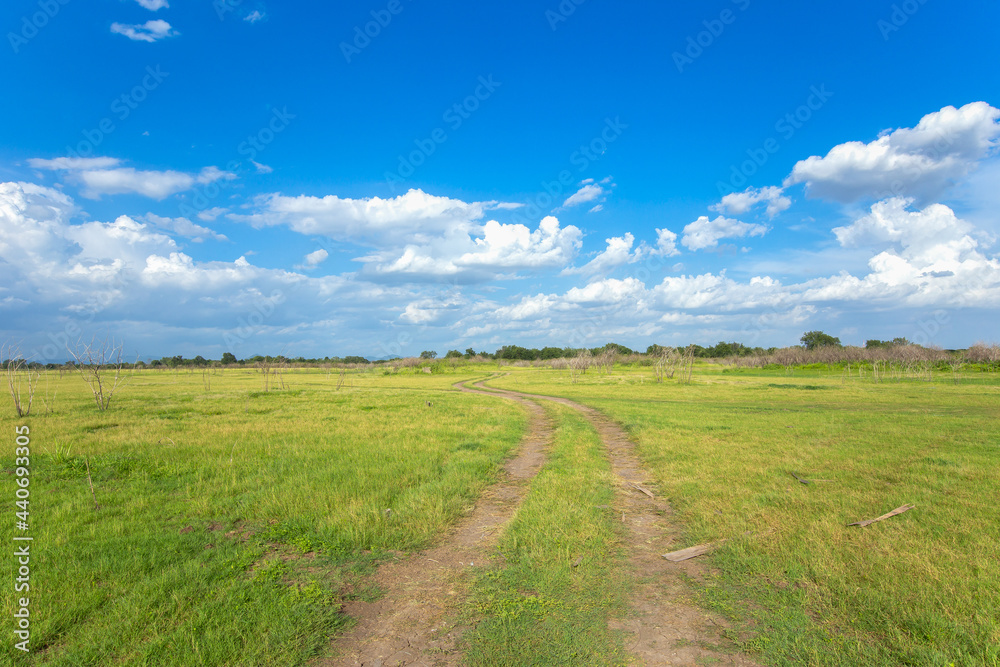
(811, 340)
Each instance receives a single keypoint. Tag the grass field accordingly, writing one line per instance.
(922, 588)
(233, 523)
(228, 515)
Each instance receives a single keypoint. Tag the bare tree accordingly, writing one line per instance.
(579, 364)
(280, 367)
(689, 360)
(264, 367)
(340, 378)
(670, 361)
(103, 367)
(606, 360)
(21, 378)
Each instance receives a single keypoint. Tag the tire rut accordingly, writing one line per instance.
(411, 624)
(664, 629)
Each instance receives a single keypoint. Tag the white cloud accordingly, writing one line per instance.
(434, 311)
(98, 179)
(666, 243)
(931, 257)
(515, 246)
(316, 258)
(738, 203)
(618, 252)
(210, 214)
(418, 236)
(253, 16)
(585, 194)
(150, 31)
(502, 248)
(184, 227)
(589, 191)
(609, 291)
(74, 163)
(262, 168)
(413, 217)
(153, 5)
(919, 162)
(597, 209)
(704, 233)
(153, 184)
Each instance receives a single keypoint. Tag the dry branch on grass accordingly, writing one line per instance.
(895, 512)
(699, 549)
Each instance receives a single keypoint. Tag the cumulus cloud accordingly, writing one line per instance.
(515, 246)
(920, 162)
(609, 291)
(184, 227)
(150, 31)
(738, 203)
(666, 243)
(154, 5)
(502, 248)
(704, 233)
(618, 252)
(414, 216)
(418, 236)
(932, 255)
(314, 259)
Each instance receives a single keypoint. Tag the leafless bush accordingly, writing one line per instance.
(579, 364)
(981, 353)
(667, 363)
(103, 367)
(606, 360)
(264, 367)
(21, 378)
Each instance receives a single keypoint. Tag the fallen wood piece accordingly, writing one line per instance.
(690, 552)
(701, 549)
(577, 562)
(646, 491)
(804, 481)
(898, 510)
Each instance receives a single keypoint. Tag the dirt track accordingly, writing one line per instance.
(410, 624)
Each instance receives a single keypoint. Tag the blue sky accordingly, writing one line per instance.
(389, 177)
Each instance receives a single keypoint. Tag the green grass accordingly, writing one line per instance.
(534, 607)
(233, 522)
(922, 588)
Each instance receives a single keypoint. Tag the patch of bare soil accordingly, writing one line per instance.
(412, 623)
(665, 629)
